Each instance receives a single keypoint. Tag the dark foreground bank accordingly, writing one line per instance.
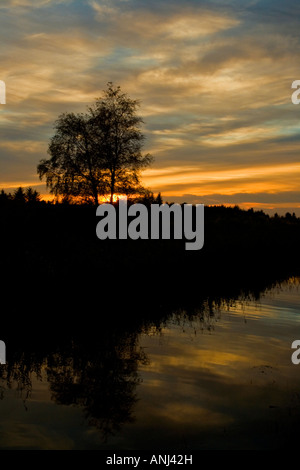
(52, 262)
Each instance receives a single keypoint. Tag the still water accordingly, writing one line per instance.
(220, 377)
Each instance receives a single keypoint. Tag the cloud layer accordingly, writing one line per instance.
(214, 79)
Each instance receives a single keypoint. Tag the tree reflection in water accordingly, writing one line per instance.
(98, 374)
(101, 379)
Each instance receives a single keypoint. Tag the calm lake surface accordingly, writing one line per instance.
(220, 378)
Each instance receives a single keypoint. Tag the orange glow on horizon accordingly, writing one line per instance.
(205, 182)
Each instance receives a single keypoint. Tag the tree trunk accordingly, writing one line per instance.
(95, 193)
(112, 188)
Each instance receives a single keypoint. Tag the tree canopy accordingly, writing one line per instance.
(97, 153)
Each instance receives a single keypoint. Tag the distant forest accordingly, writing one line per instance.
(29, 195)
(54, 244)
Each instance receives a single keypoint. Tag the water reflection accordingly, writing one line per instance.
(101, 379)
(97, 374)
(216, 376)
(232, 385)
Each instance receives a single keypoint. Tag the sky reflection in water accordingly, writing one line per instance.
(221, 381)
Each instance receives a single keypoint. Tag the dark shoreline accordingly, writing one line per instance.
(52, 261)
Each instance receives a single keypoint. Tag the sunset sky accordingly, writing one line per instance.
(213, 77)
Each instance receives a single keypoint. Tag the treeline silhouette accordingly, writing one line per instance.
(20, 196)
(51, 260)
